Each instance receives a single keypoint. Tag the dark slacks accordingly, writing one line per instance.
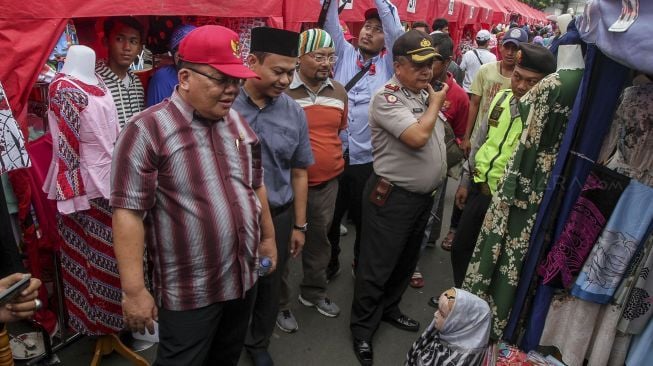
(212, 335)
(350, 191)
(467, 232)
(268, 289)
(389, 251)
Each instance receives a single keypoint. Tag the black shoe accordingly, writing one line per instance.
(433, 301)
(332, 271)
(403, 322)
(262, 358)
(363, 351)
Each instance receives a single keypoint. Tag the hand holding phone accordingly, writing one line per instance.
(14, 290)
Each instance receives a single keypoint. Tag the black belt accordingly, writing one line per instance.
(276, 211)
(404, 190)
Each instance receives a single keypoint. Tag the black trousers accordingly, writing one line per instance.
(389, 251)
(469, 227)
(350, 192)
(212, 335)
(268, 289)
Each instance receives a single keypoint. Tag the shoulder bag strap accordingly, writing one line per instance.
(357, 77)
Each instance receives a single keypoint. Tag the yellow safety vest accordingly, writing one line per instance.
(504, 129)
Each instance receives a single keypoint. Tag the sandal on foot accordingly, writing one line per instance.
(417, 280)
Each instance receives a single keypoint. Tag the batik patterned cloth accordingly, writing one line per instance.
(495, 267)
(587, 219)
(91, 280)
(631, 135)
(12, 144)
(639, 307)
(617, 245)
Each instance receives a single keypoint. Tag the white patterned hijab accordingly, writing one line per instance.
(468, 323)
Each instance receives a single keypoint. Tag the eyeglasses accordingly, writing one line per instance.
(373, 28)
(332, 59)
(222, 82)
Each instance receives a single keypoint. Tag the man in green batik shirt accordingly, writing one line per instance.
(498, 135)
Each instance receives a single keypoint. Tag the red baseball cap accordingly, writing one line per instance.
(372, 13)
(217, 47)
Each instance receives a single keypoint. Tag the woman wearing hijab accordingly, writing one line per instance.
(458, 334)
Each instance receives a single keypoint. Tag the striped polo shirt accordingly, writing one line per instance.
(326, 114)
(196, 179)
(129, 100)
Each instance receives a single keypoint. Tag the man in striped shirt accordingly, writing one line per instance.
(123, 37)
(187, 179)
(325, 102)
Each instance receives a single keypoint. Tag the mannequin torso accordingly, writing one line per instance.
(80, 64)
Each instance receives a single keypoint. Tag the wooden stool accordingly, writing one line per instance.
(6, 358)
(105, 345)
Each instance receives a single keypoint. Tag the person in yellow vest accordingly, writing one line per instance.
(498, 136)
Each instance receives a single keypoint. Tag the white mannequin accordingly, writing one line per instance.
(563, 22)
(80, 64)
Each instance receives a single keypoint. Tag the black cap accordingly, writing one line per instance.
(415, 45)
(273, 40)
(536, 58)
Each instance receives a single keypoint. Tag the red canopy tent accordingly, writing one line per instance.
(29, 30)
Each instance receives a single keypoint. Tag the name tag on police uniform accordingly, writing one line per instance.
(418, 110)
(493, 121)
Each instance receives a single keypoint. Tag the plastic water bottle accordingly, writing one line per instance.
(264, 266)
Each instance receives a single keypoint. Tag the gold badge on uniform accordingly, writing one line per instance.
(390, 98)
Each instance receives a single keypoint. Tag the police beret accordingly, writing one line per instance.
(536, 58)
(415, 45)
(273, 40)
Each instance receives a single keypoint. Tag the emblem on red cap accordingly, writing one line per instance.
(235, 48)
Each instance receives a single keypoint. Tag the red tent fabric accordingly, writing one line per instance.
(29, 30)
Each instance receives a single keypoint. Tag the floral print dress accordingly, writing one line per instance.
(495, 267)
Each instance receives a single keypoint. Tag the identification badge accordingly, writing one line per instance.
(495, 115)
(418, 110)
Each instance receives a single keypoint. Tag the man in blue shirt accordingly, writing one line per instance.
(380, 30)
(280, 124)
(165, 79)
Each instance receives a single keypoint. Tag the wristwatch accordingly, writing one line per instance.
(302, 228)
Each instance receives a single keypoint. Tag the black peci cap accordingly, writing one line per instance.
(536, 58)
(415, 45)
(273, 40)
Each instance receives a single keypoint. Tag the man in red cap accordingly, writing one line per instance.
(187, 181)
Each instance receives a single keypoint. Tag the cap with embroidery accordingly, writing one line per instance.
(415, 45)
(273, 40)
(536, 58)
(515, 36)
(217, 47)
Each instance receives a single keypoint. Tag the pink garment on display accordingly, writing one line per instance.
(80, 170)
